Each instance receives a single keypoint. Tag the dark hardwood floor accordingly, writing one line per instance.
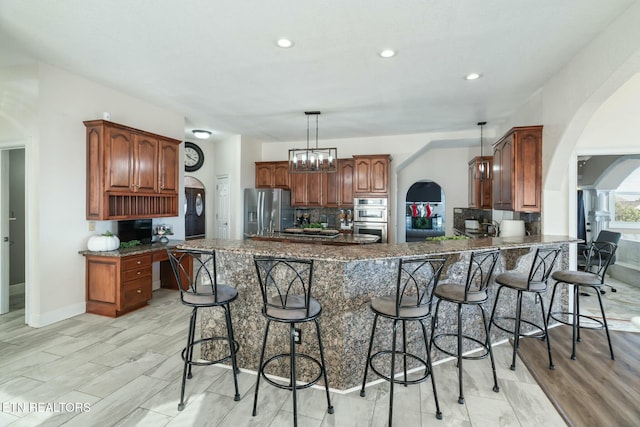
(592, 390)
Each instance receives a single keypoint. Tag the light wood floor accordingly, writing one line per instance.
(127, 372)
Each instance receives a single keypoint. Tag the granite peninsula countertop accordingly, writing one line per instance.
(371, 252)
(136, 250)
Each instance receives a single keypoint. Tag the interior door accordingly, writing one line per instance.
(194, 217)
(222, 207)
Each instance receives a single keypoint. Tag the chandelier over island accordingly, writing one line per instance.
(310, 160)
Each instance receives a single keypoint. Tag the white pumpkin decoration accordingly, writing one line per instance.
(100, 243)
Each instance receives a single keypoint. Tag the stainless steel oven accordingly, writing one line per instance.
(374, 228)
(370, 210)
(370, 216)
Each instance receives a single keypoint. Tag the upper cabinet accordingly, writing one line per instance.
(371, 175)
(481, 182)
(307, 189)
(130, 173)
(272, 175)
(517, 170)
(339, 185)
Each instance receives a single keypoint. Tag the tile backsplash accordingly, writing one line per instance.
(531, 220)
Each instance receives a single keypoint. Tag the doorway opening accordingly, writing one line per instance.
(424, 211)
(13, 217)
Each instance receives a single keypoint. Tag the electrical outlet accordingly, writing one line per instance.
(297, 336)
(92, 226)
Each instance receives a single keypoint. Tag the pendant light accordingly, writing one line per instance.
(482, 167)
(311, 160)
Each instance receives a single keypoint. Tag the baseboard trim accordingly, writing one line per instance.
(45, 319)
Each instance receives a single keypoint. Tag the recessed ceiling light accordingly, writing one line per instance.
(285, 43)
(472, 76)
(201, 134)
(387, 53)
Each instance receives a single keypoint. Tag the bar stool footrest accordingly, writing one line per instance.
(600, 323)
(538, 334)
(288, 356)
(464, 337)
(401, 354)
(210, 362)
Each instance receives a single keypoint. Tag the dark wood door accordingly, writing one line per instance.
(195, 218)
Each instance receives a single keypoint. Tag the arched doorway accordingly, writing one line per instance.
(424, 211)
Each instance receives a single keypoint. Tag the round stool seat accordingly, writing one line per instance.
(577, 277)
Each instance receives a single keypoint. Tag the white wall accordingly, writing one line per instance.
(227, 162)
(56, 184)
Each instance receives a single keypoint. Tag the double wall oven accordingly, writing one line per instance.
(370, 216)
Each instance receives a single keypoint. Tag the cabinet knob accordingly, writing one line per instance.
(139, 290)
(139, 272)
(139, 262)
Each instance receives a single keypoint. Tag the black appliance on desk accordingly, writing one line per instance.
(135, 229)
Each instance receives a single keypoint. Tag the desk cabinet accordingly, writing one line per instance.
(118, 285)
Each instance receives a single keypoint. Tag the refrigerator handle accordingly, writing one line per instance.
(259, 219)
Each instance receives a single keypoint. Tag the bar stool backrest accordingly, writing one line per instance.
(417, 279)
(543, 263)
(600, 257)
(285, 283)
(481, 267)
(195, 272)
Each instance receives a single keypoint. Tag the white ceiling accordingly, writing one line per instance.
(216, 62)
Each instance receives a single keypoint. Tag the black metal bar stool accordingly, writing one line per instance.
(599, 257)
(285, 284)
(535, 282)
(411, 301)
(473, 292)
(195, 272)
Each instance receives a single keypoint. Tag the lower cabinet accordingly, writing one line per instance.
(118, 285)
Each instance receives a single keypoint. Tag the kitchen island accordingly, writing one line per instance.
(345, 280)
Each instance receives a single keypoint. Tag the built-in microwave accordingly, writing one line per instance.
(374, 228)
(370, 210)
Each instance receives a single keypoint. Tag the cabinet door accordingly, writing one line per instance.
(298, 189)
(345, 178)
(314, 189)
(503, 174)
(281, 175)
(379, 176)
(332, 188)
(528, 180)
(118, 160)
(168, 167)
(362, 176)
(264, 175)
(145, 166)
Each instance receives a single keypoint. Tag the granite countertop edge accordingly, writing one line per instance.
(374, 251)
(136, 250)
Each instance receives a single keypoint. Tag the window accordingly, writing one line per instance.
(627, 202)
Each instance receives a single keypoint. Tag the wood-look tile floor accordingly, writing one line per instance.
(127, 372)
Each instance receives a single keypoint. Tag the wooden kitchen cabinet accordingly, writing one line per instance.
(339, 185)
(517, 170)
(130, 173)
(481, 182)
(118, 285)
(371, 175)
(272, 175)
(307, 189)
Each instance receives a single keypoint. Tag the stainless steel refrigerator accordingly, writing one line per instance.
(267, 210)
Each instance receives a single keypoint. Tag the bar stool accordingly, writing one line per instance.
(416, 279)
(195, 272)
(473, 292)
(600, 255)
(285, 285)
(534, 282)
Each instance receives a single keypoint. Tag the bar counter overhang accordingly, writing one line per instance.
(345, 279)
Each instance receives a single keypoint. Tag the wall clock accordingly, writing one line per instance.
(193, 157)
